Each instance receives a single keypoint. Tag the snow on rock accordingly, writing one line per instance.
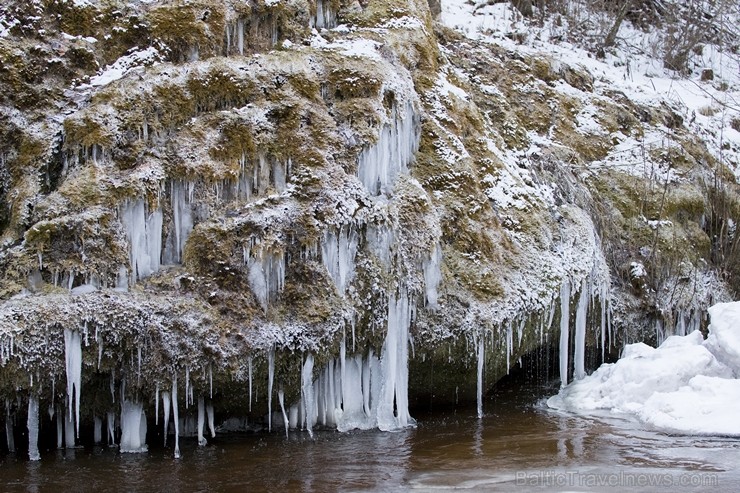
(124, 65)
(686, 385)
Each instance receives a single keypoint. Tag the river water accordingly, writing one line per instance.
(519, 445)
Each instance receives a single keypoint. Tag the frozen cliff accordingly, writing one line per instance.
(314, 213)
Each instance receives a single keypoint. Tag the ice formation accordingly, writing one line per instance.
(266, 273)
(481, 354)
(270, 379)
(201, 420)
(181, 198)
(580, 342)
(97, 430)
(397, 144)
(73, 364)
(175, 417)
(338, 250)
(564, 331)
(33, 428)
(133, 427)
(111, 422)
(9, 428)
(686, 385)
(144, 234)
(432, 276)
(361, 392)
(166, 415)
(325, 17)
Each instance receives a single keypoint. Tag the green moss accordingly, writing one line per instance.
(219, 89)
(188, 26)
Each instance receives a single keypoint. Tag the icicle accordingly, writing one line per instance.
(432, 276)
(250, 383)
(379, 164)
(580, 349)
(156, 405)
(210, 379)
(209, 414)
(182, 222)
(111, 422)
(97, 429)
(481, 358)
(69, 431)
(281, 399)
(73, 362)
(33, 428)
(509, 346)
(307, 390)
(201, 421)
(338, 251)
(187, 386)
(166, 414)
(394, 367)
(60, 428)
(175, 417)
(266, 276)
(145, 239)
(133, 427)
(564, 330)
(270, 377)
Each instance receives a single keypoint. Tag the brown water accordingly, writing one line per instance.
(518, 445)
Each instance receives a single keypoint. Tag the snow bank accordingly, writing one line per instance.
(686, 385)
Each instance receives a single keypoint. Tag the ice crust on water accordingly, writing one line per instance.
(687, 384)
(380, 164)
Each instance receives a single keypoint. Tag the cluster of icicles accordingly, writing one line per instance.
(350, 392)
(593, 292)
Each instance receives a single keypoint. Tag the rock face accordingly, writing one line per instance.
(343, 204)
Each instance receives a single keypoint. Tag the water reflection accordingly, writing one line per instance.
(517, 443)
